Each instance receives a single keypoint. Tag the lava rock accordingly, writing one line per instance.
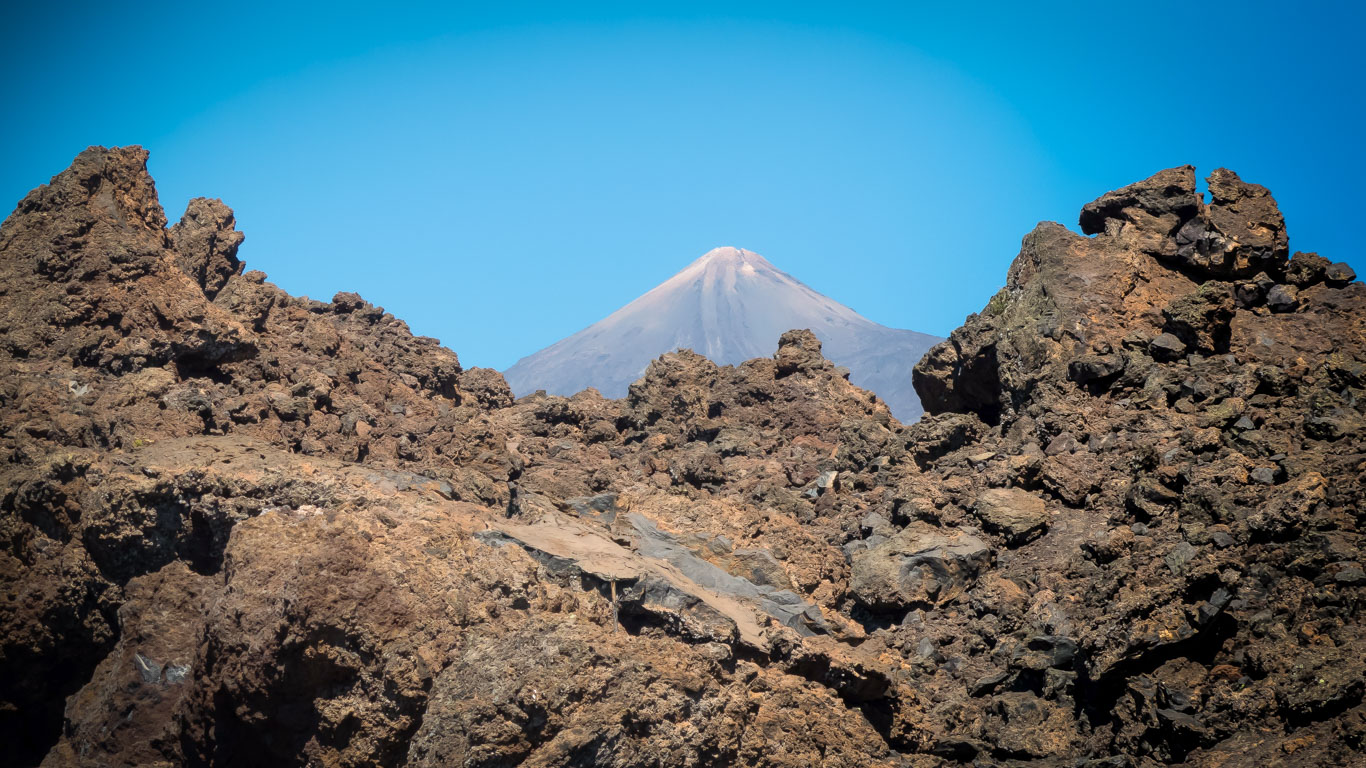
(1282, 298)
(1339, 274)
(1166, 346)
(1017, 515)
(920, 566)
(1305, 269)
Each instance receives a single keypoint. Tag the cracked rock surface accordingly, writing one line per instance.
(245, 528)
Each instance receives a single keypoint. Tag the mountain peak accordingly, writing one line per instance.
(728, 254)
(725, 252)
(730, 305)
(727, 259)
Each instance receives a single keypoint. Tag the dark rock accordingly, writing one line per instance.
(1063, 443)
(1282, 298)
(988, 684)
(1166, 346)
(1339, 273)
(1179, 557)
(148, 669)
(1054, 651)
(1249, 224)
(1160, 203)
(1201, 319)
(1095, 368)
(1180, 720)
(1248, 294)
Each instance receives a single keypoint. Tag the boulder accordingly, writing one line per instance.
(1016, 515)
(920, 566)
(1166, 346)
(1282, 298)
(1159, 204)
(799, 351)
(1339, 273)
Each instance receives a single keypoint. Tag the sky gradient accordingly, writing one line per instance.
(503, 175)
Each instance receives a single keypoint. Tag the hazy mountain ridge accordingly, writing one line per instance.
(730, 305)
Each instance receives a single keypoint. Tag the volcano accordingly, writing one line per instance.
(729, 305)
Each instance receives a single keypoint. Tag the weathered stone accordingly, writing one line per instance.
(206, 243)
(1161, 203)
(1339, 273)
(798, 351)
(1250, 226)
(1015, 514)
(1201, 319)
(1179, 557)
(1305, 269)
(920, 566)
(1166, 346)
(260, 529)
(1095, 368)
(1282, 298)
(1063, 443)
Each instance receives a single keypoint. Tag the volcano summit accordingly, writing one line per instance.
(730, 305)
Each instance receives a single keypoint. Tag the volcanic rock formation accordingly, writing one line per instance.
(243, 528)
(729, 306)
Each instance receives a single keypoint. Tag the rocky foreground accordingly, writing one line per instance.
(242, 528)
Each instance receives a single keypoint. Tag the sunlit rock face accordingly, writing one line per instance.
(731, 305)
(243, 528)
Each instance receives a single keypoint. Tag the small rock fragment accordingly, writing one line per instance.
(1165, 346)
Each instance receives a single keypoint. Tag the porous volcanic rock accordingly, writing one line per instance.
(245, 528)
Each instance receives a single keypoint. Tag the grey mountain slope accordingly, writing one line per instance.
(730, 305)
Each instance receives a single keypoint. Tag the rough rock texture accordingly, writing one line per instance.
(1015, 514)
(243, 528)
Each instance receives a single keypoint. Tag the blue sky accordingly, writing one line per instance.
(501, 175)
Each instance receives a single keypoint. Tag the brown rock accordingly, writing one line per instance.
(1016, 515)
(206, 242)
(919, 566)
(247, 528)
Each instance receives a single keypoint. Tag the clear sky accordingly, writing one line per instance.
(501, 175)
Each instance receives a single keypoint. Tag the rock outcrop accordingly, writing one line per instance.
(244, 528)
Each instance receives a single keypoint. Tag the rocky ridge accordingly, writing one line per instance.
(244, 528)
